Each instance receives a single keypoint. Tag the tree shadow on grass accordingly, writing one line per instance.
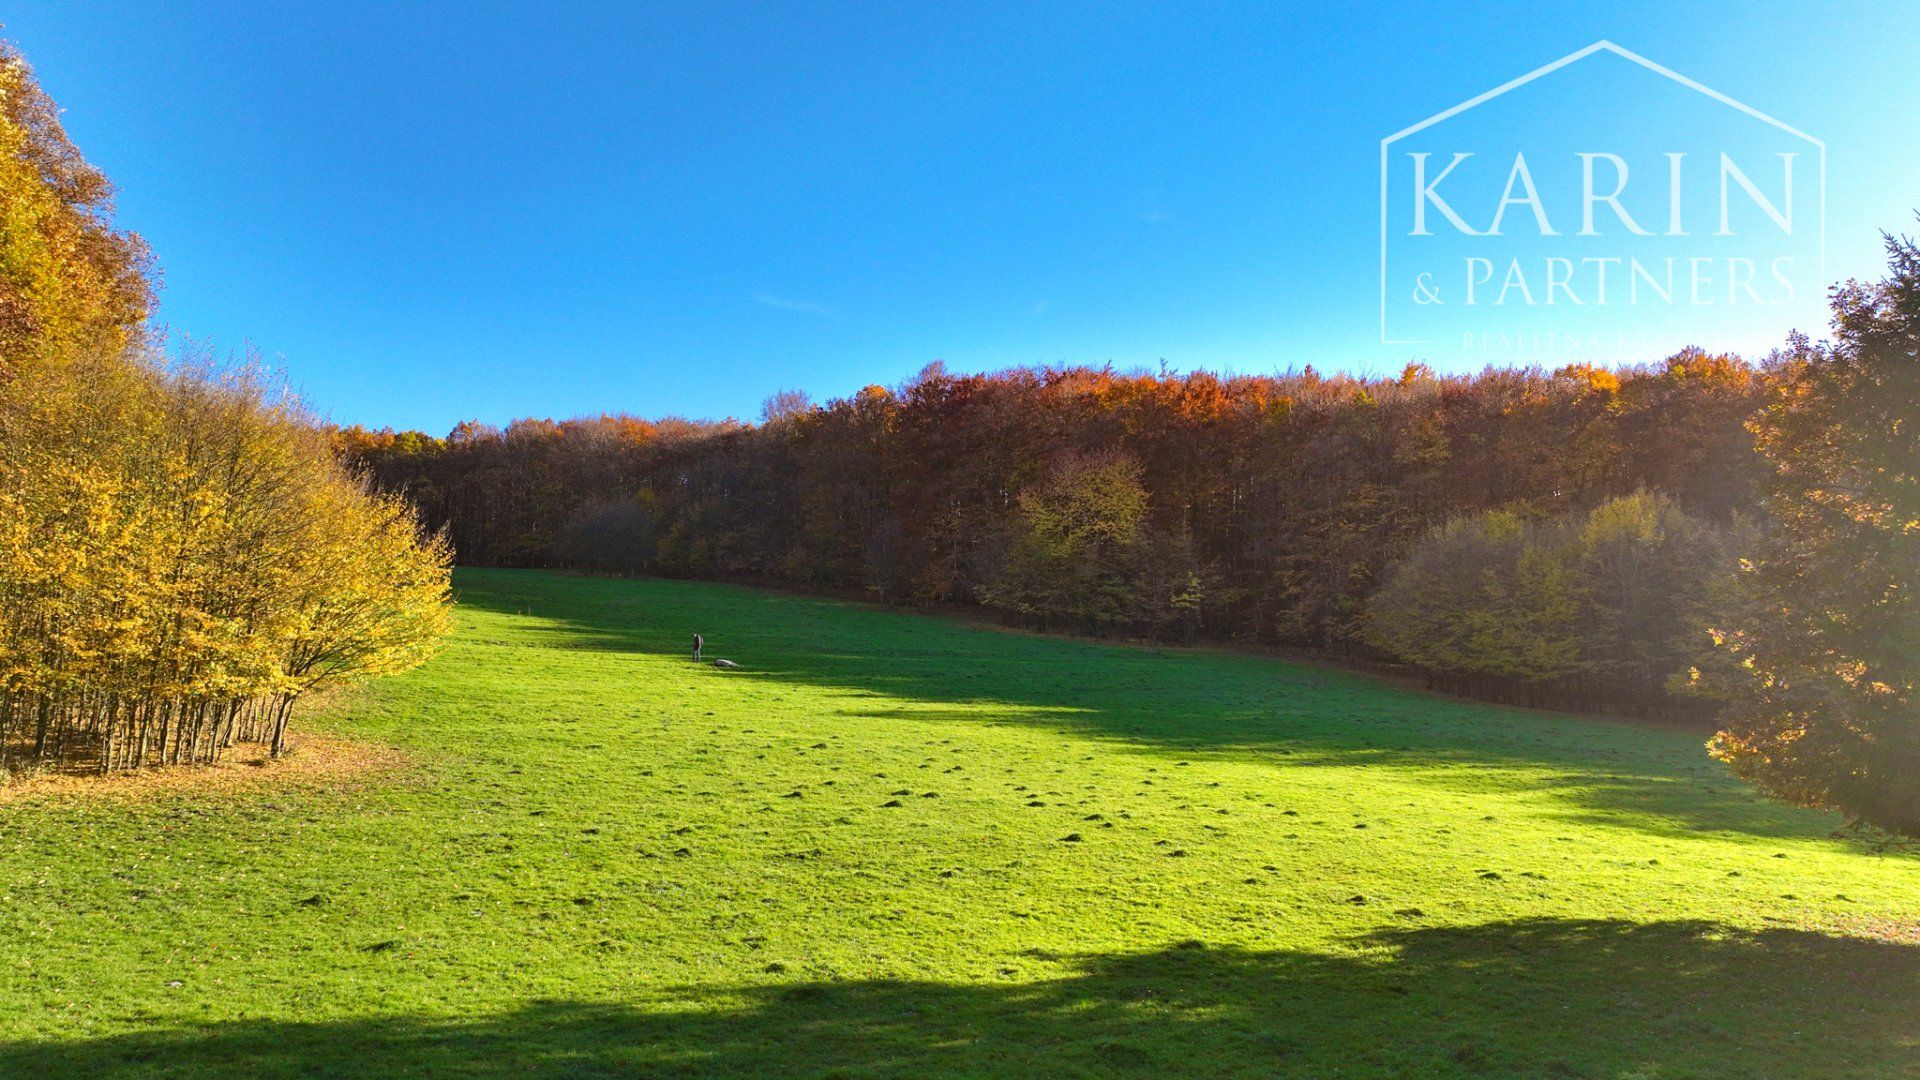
(1545, 998)
(1184, 702)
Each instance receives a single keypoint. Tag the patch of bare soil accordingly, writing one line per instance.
(312, 762)
(1894, 931)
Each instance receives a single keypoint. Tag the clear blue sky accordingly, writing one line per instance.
(434, 212)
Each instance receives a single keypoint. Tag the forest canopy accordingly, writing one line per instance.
(1256, 508)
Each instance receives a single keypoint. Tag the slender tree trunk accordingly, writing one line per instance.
(280, 725)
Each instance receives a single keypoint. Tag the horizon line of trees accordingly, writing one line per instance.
(1264, 509)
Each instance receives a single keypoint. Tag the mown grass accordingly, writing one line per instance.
(901, 846)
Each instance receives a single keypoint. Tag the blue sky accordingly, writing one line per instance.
(436, 212)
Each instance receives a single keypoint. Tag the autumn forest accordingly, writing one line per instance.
(1177, 507)
(1080, 719)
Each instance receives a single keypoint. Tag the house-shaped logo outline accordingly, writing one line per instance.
(1573, 58)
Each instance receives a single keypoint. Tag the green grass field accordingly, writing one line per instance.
(897, 845)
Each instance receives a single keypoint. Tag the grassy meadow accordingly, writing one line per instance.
(895, 845)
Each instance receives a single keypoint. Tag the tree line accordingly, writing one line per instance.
(182, 557)
(1185, 507)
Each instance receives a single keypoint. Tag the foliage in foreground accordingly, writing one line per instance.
(180, 561)
(68, 279)
(181, 557)
(1827, 709)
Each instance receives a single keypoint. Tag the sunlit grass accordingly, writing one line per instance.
(898, 845)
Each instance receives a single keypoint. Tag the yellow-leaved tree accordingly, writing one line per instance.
(182, 558)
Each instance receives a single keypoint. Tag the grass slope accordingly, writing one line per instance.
(900, 846)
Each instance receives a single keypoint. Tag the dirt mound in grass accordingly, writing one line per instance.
(313, 762)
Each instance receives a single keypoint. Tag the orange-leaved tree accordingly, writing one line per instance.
(1826, 711)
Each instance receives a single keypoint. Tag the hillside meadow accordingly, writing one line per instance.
(898, 845)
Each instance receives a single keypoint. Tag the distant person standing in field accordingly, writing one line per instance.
(698, 644)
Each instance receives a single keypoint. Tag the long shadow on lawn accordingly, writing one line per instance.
(1533, 998)
(1177, 702)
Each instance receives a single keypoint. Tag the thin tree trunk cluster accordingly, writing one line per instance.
(110, 732)
(181, 558)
